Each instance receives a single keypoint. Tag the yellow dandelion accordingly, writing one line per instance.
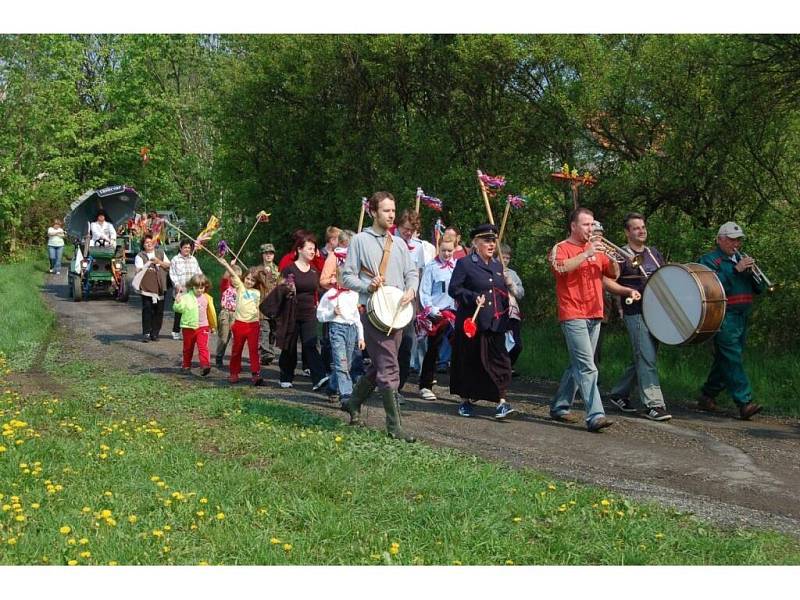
(517, 519)
(35, 506)
(155, 478)
(83, 541)
(132, 519)
(551, 487)
(605, 502)
(220, 516)
(337, 439)
(274, 541)
(201, 513)
(105, 513)
(562, 508)
(71, 542)
(113, 563)
(203, 500)
(457, 563)
(20, 518)
(108, 493)
(111, 522)
(158, 533)
(509, 562)
(167, 528)
(287, 547)
(11, 541)
(85, 554)
(199, 464)
(86, 509)
(659, 536)
(65, 529)
(620, 513)
(166, 549)
(72, 563)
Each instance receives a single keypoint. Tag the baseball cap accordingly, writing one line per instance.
(731, 230)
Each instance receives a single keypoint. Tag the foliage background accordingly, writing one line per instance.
(691, 130)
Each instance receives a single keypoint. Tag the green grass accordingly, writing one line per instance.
(682, 369)
(26, 320)
(145, 447)
(147, 469)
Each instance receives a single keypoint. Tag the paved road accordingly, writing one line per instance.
(720, 468)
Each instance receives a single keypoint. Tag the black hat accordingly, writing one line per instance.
(486, 230)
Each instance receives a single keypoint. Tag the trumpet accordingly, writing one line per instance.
(616, 253)
(758, 275)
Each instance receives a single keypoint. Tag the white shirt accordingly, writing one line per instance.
(104, 230)
(428, 251)
(347, 301)
(55, 237)
(139, 263)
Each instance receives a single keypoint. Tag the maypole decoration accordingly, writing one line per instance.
(211, 228)
(511, 202)
(575, 180)
(430, 201)
(186, 235)
(490, 185)
(364, 205)
(223, 248)
(261, 217)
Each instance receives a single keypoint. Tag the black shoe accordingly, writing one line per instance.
(258, 382)
(153, 338)
(206, 371)
(622, 403)
(657, 414)
(145, 339)
(219, 363)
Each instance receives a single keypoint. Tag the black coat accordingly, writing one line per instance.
(471, 278)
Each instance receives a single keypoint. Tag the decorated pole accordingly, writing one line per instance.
(575, 181)
(261, 217)
(511, 202)
(416, 202)
(364, 202)
(485, 198)
(184, 234)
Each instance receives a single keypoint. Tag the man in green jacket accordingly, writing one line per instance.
(736, 275)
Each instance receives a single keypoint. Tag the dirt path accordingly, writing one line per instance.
(722, 469)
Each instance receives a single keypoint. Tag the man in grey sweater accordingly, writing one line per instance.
(361, 273)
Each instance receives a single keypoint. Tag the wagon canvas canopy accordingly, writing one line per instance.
(119, 202)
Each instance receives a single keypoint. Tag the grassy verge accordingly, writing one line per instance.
(26, 320)
(682, 370)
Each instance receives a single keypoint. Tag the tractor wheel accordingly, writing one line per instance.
(123, 292)
(77, 289)
(69, 285)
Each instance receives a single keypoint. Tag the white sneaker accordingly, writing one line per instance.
(176, 336)
(285, 384)
(307, 372)
(427, 394)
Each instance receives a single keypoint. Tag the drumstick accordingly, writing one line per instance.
(396, 312)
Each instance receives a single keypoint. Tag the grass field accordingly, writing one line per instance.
(101, 466)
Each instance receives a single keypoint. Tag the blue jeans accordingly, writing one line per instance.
(643, 370)
(581, 336)
(54, 253)
(344, 339)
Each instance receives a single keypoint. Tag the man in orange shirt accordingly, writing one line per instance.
(582, 269)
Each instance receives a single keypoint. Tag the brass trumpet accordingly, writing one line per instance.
(615, 252)
(758, 275)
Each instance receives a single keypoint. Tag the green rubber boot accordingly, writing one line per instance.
(361, 392)
(394, 426)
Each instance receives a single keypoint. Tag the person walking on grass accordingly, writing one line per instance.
(198, 320)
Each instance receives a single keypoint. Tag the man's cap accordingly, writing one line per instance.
(267, 248)
(731, 230)
(486, 230)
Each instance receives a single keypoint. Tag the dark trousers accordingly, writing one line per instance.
(431, 357)
(306, 332)
(152, 316)
(404, 354)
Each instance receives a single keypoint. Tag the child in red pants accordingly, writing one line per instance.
(245, 327)
(198, 319)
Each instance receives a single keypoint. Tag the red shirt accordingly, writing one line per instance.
(580, 292)
(224, 284)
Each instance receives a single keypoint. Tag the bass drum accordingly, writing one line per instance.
(683, 304)
(384, 310)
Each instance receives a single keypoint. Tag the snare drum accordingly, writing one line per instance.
(683, 304)
(384, 310)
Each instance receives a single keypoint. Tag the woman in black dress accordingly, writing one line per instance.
(481, 368)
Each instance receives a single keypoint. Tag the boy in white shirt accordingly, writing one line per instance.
(339, 308)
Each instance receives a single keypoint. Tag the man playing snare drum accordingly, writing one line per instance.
(362, 273)
(736, 276)
(642, 372)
